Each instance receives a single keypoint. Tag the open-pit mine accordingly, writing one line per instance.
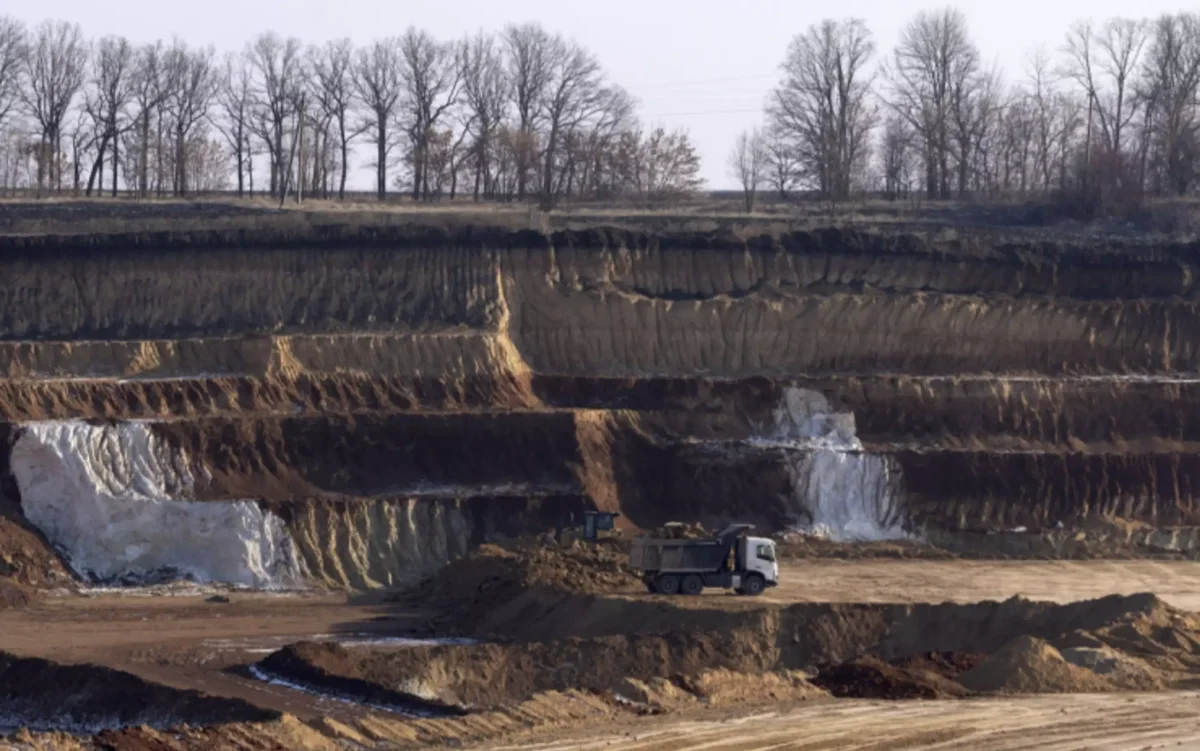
(284, 480)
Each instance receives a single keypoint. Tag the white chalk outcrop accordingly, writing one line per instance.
(115, 501)
(845, 493)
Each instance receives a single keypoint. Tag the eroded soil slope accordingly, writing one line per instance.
(354, 403)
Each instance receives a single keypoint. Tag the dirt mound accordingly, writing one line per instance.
(871, 678)
(988, 626)
(493, 575)
(1028, 665)
(805, 546)
(1128, 673)
(285, 734)
(718, 688)
(332, 669)
(486, 675)
(680, 531)
(946, 664)
(811, 635)
(13, 595)
(39, 694)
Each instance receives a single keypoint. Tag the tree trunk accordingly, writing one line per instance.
(144, 156)
(180, 163)
(931, 179)
(116, 147)
(97, 169)
(381, 159)
(158, 162)
(240, 156)
(345, 163)
(963, 169)
(418, 169)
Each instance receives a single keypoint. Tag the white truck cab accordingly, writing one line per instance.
(758, 556)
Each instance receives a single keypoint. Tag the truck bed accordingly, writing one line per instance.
(678, 555)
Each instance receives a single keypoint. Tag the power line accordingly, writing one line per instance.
(706, 112)
(668, 84)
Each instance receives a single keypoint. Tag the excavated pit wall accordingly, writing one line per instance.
(353, 396)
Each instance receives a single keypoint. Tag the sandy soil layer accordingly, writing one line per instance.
(1176, 582)
(1051, 723)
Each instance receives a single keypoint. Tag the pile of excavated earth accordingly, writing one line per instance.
(495, 574)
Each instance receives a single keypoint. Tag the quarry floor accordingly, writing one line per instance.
(187, 641)
(1050, 723)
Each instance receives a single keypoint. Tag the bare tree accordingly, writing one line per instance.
(333, 93)
(975, 100)
(1014, 148)
(934, 53)
(574, 94)
(486, 88)
(822, 108)
(12, 56)
(1043, 100)
(895, 153)
(192, 82)
(113, 70)
(783, 160)
(431, 76)
(1103, 63)
(297, 105)
(530, 52)
(55, 66)
(81, 137)
(377, 77)
(148, 92)
(1120, 44)
(601, 136)
(666, 165)
(746, 165)
(235, 99)
(279, 65)
(1172, 83)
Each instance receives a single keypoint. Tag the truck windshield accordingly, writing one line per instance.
(766, 552)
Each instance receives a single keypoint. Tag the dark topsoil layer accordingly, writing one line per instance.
(47, 228)
(929, 676)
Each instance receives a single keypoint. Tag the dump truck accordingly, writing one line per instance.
(730, 560)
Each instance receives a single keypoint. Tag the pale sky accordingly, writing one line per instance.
(702, 65)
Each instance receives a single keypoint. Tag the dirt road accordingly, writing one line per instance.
(1049, 723)
(186, 642)
(117, 627)
(1177, 582)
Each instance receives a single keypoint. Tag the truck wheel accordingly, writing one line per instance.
(692, 585)
(753, 585)
(667, 584)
